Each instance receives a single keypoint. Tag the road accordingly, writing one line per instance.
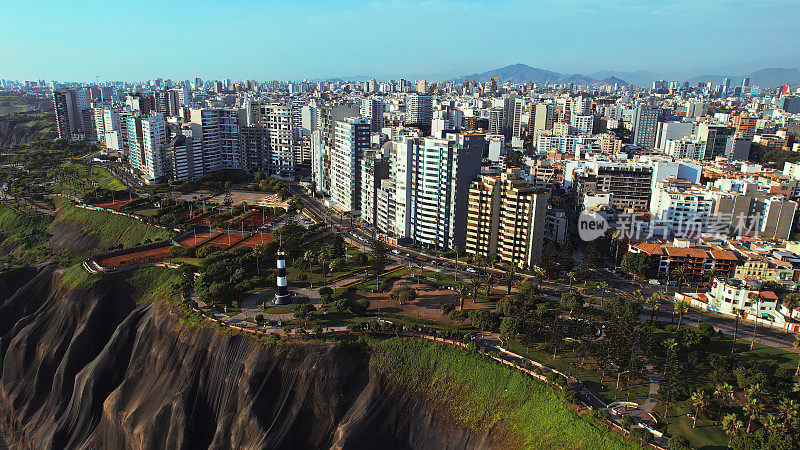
(765, 335)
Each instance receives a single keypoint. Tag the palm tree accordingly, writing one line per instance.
(322, 258)
(540, 273)
(679, 273)
(510, 276)
(796, 344)
(604, 287)
(671, 345)
(753, 409)
(739, 315)
(475, 284)
(724, 392)
(488, 281)
(572, 275)
(731, 425)
(681, 308)
(699, 404)
(757, 297)
(791, 301)
(654, 302)
(463, 291)
(788, 409)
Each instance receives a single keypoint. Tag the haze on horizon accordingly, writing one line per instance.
(78, 41)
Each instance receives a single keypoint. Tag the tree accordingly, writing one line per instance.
(654, 302)
(303, 311)
(510, 276)
(755, 296)
(604, 287)
(642, 435)
(796, 344)
(509, 327)
(739, 313)
(488, 281)
(322, 258)
(571, 301)
(403, 294)
(541, 273)
(731, 425)
(637, 263)
(475, 284)
(753, 409)
(791, 301)
(788, 409)
(699, 401)
(679, 273)
(379, 258)
(679, 442)
(572, 275)
(681, 307)
(724, 392)
(464, 290)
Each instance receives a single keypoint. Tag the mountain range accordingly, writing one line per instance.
(522, 73)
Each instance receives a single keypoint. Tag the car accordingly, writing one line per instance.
(471, 270)
(654, 282)
(395, 251)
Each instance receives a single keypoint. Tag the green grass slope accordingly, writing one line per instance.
(479, 393)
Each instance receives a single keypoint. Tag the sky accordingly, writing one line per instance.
(296, 39)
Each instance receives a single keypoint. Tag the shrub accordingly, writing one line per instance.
(679, 442)
(570, 396)
(626, 421)
(447, 308)
(642, 435)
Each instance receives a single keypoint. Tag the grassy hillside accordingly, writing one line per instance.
(480, 394)
(23, 235)
(145, 284)
(109, 229)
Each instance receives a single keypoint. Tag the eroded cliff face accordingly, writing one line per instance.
(90, 369)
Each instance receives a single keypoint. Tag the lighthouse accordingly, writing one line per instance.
(282, 296)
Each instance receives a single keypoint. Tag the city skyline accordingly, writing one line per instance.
(381, 39)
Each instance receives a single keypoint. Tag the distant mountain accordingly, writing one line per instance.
(766, 78)
(522, 73)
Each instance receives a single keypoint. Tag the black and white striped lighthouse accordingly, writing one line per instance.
(282, 296)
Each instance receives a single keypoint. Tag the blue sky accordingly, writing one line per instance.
(121, 40)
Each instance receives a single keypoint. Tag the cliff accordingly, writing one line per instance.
(21, 128)
(88, 368)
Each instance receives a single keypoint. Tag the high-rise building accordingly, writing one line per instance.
(506, 218)
(745, 125)
(542, 117)
(628, 183)
(419, 109)
(167, 102)
(440, 174)
(323, 142)
(373, 110)
(217, 131)
(719, 140)
(254, 145)
(277, 119)
(154, 166)
(352, 140)
(644, 126)
(68, 120)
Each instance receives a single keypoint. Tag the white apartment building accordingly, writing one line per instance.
(729, 294)
(278, 120)
(419, 109)
(156, 166)
(582, 123)
(685, 148)
(372, 109)
(352, 139)
(686, 208)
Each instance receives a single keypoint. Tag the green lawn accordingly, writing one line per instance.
(567, 361)
(104, 180)
(480, 394)
(23, 235)
(145, 284)
(110, 229)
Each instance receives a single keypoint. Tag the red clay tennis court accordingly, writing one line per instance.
(197, 238)
(115, 205)
(255, 240)
(154, 254)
